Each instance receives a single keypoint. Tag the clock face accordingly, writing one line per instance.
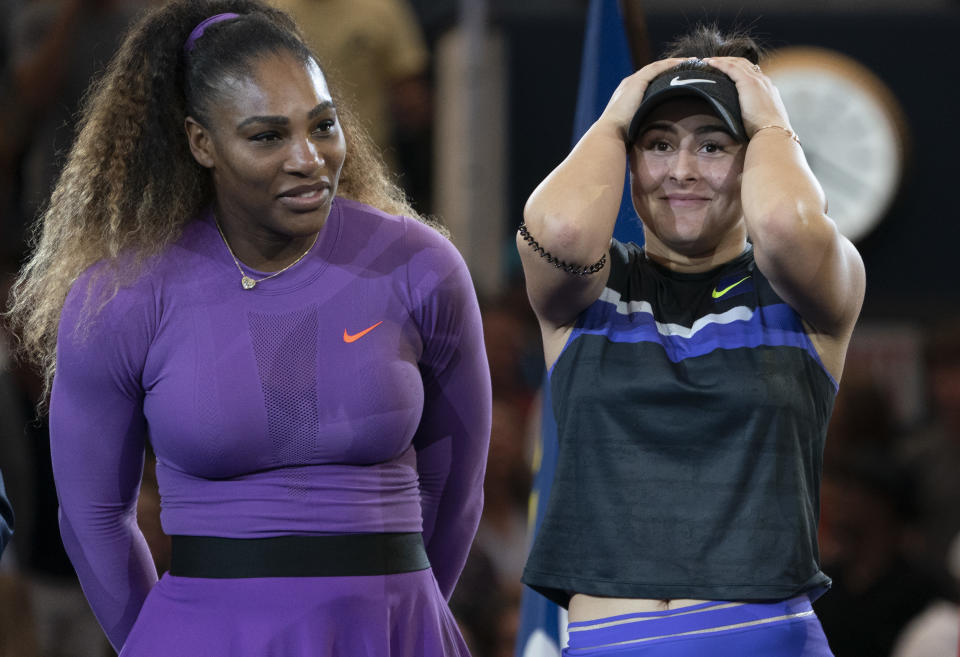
(852, 132)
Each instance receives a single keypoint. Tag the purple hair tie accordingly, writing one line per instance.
(201, 28)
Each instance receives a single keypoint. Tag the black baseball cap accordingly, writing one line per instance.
(711, 85)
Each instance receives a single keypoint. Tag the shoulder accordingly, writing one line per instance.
(354, 211)
(121, 297)
(415, 238)
(431, 254)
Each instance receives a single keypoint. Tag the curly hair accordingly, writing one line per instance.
(130, 183)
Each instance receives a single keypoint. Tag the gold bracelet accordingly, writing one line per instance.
(790, 133)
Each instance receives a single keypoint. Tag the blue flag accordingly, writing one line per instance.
(606, 61)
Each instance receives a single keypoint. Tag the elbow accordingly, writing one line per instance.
(553, 220)
(556, 232)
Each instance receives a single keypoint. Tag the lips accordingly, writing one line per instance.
(304, 198)
(686, 197)
(685, 200)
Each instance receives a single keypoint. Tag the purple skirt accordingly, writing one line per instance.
(402, 615)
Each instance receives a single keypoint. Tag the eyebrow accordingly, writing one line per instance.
(282, 120)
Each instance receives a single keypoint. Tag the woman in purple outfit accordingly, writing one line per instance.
(225, 270)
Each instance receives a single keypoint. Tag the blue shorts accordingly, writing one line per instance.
(788, 628)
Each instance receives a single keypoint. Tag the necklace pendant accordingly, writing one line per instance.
(247, 283)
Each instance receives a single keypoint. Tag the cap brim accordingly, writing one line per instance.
(658, 97)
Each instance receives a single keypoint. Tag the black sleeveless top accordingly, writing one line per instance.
(691, 412)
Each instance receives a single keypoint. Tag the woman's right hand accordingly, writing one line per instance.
(628, 94)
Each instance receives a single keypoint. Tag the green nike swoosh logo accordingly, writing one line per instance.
(719, 293)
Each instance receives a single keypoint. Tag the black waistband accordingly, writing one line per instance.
(298, 556)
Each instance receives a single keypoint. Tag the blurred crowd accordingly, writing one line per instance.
(891, 494)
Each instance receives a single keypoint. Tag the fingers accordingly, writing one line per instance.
(736, 67)
(760, 102)
(625, 100)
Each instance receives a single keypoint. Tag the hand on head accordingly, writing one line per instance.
(760, 103)
(624, 101)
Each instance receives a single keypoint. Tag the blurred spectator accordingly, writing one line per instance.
(935, 632)
(477, 602)
(375, 51)
(513, 350)
(862, 418)
(9, 137)
(933, 452)
(56, 47)
(18, 636)
(507, 625)
(868, 505)
(502, 534)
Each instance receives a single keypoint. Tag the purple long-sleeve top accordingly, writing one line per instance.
(349, 394)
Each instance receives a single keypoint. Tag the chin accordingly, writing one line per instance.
(299, 224)
(691, 245)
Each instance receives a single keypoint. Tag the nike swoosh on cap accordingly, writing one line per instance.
(677, 82)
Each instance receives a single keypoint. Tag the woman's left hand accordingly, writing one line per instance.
(760, 102)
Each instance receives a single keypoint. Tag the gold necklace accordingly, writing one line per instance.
(248, 282)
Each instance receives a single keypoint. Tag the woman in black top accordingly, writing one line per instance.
(692, 379)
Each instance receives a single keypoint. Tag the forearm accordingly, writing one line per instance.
(782, 200)
(97, 483)
(113, 564)
(810, 264)
(451, 490)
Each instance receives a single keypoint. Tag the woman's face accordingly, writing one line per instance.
(275, 149)
(685, 172)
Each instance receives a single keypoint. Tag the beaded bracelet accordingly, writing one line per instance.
(790, 133)
(560, 264)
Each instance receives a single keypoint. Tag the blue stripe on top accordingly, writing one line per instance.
(775, 325)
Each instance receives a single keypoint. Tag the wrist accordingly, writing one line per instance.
(777, 128)
(610, 127)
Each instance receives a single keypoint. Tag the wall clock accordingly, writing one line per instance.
(853, 130)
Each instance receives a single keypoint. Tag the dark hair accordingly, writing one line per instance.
(709, 41)
(130, 183)
(215, 56)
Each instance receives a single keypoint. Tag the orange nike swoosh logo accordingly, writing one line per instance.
(356, 336)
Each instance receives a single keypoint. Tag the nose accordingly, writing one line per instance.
(303, 158)
(683, 166)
